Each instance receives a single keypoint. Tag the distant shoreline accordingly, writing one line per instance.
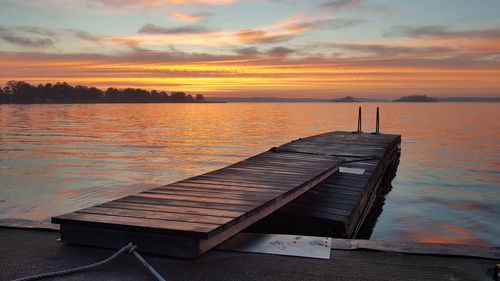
(353, 100)
(108, 102)
(223, 102)
(21, 92)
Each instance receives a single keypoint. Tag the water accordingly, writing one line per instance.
(60, 158)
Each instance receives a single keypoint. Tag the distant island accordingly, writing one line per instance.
(345, 99)
(416, 98)
(23, 92)
(356, 99)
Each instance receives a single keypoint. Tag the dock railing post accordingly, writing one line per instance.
(359, 121)
(377, 124)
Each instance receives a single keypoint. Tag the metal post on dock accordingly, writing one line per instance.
(359, 121)
(377, 123)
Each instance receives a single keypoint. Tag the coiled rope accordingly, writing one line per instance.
(129, 248)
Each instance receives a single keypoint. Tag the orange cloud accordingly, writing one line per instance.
(253, 36)
(186, 18)
(281, 31)
(258, 73)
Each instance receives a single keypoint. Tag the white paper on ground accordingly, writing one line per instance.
(280, 244)
(347, 170)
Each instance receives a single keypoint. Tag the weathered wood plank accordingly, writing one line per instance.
(156, 215)
(203, 205)
(213, 192)
(186, 192)
(226, 186)
(200, 199)
(172, 209)
(239, 183)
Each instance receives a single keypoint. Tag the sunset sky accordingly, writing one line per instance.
(280, 48)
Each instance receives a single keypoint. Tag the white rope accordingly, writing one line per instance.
(148, 266)
(129, 248)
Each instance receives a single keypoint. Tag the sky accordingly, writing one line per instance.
(243, 48)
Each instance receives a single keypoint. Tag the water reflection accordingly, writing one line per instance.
(58, 158)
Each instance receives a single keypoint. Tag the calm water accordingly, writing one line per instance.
(59, 158)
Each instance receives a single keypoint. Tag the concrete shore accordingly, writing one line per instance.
(28, 252)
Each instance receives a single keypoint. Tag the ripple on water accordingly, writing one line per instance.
(59, 158)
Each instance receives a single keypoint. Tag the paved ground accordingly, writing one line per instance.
(27, 252)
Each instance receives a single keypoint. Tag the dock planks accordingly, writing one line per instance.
(189, 217)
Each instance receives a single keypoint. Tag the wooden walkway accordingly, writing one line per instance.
(189, 217)
(340, 205)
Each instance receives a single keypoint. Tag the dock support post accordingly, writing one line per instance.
(359, 121)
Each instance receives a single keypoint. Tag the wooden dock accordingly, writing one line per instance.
(340, 205)
(190, 217)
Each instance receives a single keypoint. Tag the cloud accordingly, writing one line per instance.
(344, 23)
(340, 4)
(131, 43)
(23, 37)
(249, 51)
(307, 25)
(477, 41)
(26, 41)
(442, 32)
(160, 3)
(191, 18)
(154, 29)
(87, 36)
(280, 51)
(197, 35)
(388, 50)
(255, 36)
(289, 28)
(275, 52)
(37, 30)
(281, 31)
(337, 5)
(31, 36)
(199, 2)
(323, 23)
(257, 72)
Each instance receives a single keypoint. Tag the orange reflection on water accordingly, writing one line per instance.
(59, 158)
(446, 233)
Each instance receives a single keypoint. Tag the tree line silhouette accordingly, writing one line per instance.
(23, 92)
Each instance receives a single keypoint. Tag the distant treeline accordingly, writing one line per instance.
(23, 92)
